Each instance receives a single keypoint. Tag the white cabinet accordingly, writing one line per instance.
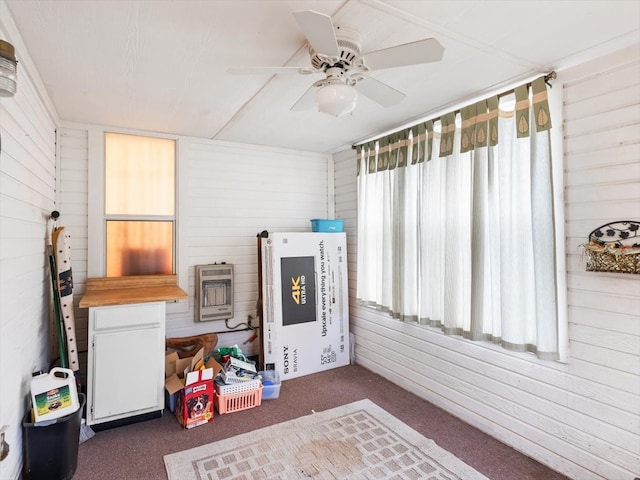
(125, 366)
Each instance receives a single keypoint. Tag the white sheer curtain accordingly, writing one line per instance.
(462, 237)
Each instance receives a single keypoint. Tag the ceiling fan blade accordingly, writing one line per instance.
(270, 70)
(379, 92)
(318, 28)
(422, 51)
(307, 101)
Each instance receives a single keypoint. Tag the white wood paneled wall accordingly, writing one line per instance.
(73, 197)
(27, 197)
(346, 196)
(582, 417)
(602, 184)
(232, 192)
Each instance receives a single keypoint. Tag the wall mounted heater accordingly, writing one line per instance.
(214, 292)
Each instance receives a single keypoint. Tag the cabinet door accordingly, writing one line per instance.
(127, 369)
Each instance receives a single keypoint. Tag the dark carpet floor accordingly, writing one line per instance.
(136, 451)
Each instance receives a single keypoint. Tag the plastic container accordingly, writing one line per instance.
(51, 448)
(238, 401)
(54, 394)
(239, 387)
(270, 384)
(326, 225)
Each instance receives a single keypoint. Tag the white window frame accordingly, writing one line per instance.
(96, 221)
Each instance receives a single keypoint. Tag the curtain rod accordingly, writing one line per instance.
(549, 76)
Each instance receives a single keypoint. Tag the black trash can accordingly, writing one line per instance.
(51, 451)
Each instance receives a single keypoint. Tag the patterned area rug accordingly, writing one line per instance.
(356, 441)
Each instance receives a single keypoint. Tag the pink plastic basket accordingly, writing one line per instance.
(238, 401)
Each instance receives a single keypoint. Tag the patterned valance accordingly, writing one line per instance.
(479, 128)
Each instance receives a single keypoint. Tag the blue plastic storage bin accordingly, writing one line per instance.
(270, 384)
(326, 225)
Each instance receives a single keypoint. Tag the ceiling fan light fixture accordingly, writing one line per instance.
(336, 99)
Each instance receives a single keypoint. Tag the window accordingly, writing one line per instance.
(140, 205)
(456, 225)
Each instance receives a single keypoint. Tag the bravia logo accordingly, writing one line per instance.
(299, 290)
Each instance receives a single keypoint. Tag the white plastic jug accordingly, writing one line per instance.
(54, 394)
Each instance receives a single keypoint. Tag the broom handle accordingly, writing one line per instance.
(56, 295)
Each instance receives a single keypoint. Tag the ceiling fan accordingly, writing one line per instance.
(336, 52)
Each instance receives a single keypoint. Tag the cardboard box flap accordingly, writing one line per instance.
(170, 360)
(180, 366)
(192, 377)
(200, 375)
(217, 368)
(207, 374)
(197, 360)
(173, 384)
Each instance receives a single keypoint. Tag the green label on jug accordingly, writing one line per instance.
(53, 400)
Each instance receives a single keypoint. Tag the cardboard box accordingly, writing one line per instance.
(189, 384)
(305, 324)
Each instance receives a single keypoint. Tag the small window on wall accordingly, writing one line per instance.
(139, 205)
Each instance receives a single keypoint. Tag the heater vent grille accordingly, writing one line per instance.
(214, 292)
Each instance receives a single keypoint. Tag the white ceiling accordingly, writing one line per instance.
(161, 65)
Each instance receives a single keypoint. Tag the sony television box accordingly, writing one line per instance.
(305, 302)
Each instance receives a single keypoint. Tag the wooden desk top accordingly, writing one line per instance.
(133, 289)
